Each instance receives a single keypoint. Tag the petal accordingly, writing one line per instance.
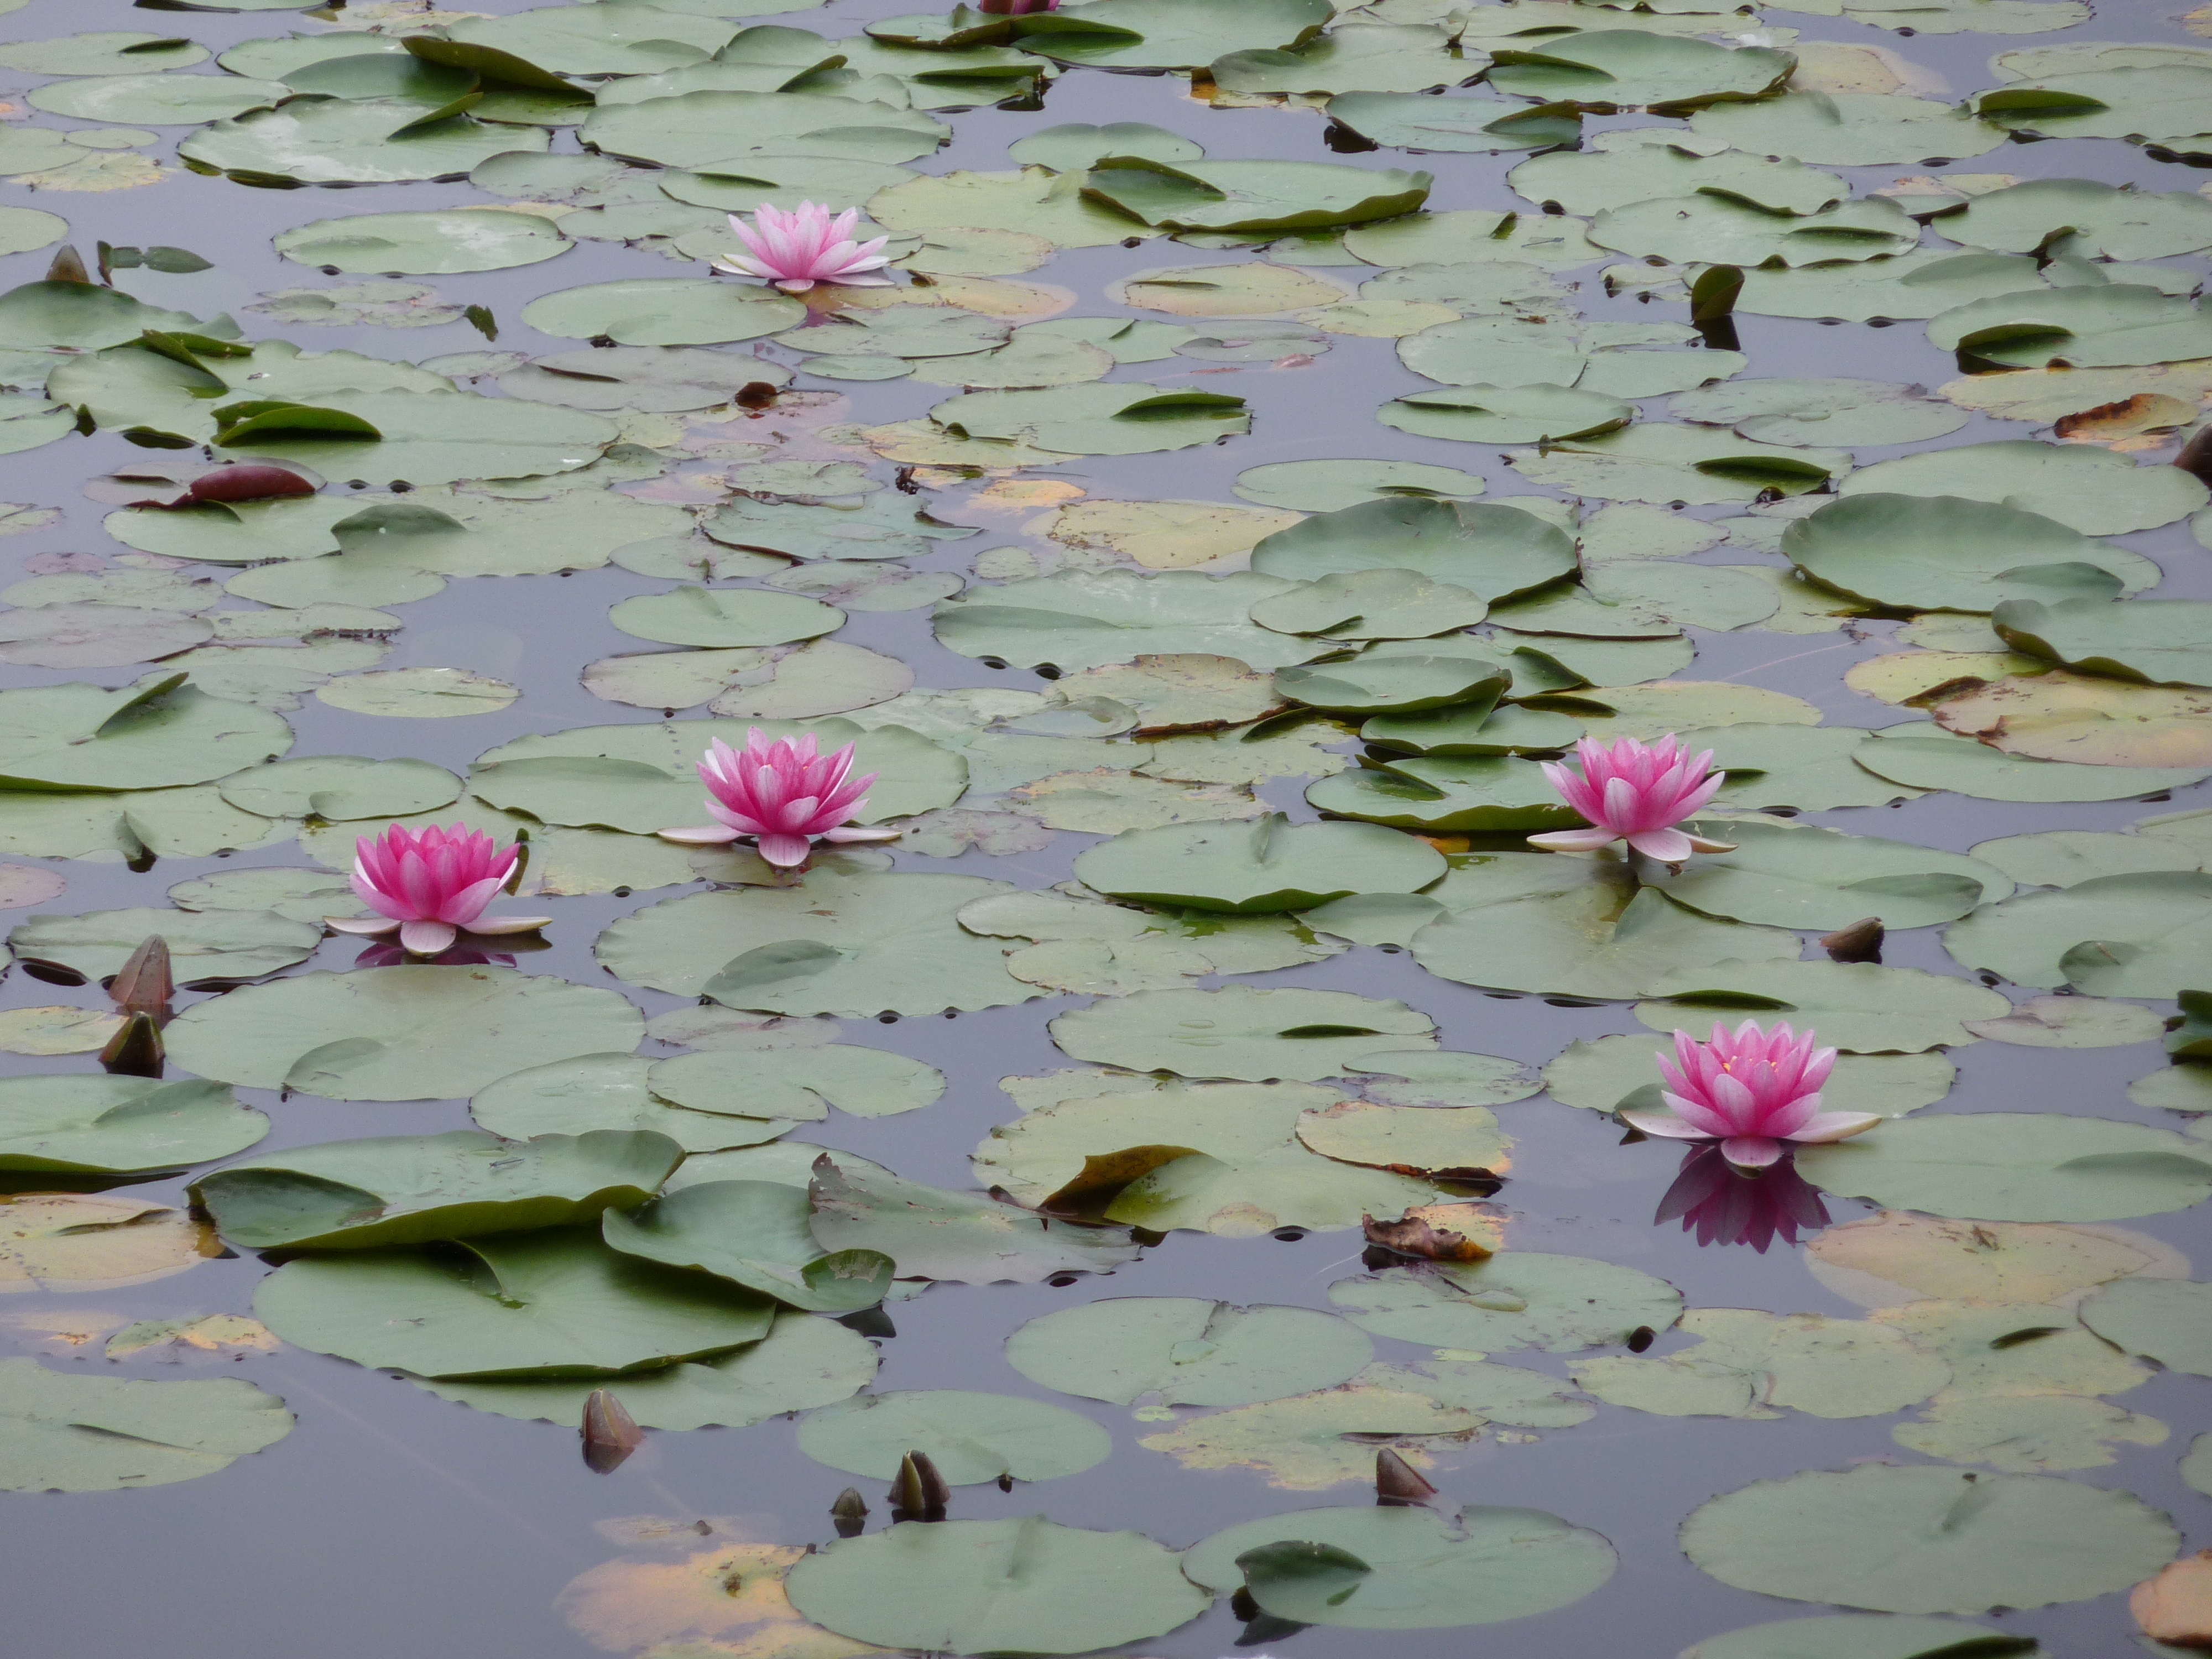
(428, 939)
(786, 852)
(368, 925)
(1751, 1151)
(1834, 1125)
(1574, 841)
(509, 924)
(1706, 844)
(710, 835)
(1667, 846)
(1673, 1128)
(855, 832)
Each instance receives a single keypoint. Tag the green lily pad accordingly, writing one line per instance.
(1075, 620)
(1944, 552)
(2163, 1319)
(801, 1364)
(1653, 461)
(1746, 1363)
(1640, 164)
(163, 732)
(1794, 876)
(933, 1233)
(209, 951)
(2163, 642)
(437, 243)
(1980, 1541)
(1187, 1351)
(1137, 34)
(1407, 1569)
(1073, 146)
(970, 1437)
(975, 1586)
(119, 1125)
(405, 1033)
(754, 1233)
(1846, 413)
(340, 141)
(1515, 1299)
(706, 130)
(69, 1431)
(1860, 1007)
(1241, 1032)
(1925, 756)
(1495, 551)
(1253, 199)
(1267, 866)
(664, 311)
(416, 1189)
(864, 942)
(1506, 415)
(1405, 120)
(1848, 129)
(2092, 489)
(2009, 1166)
(1723, 230)
(2143, 934)
(610, 1091)
(1325, 486)
(1121, 419)
(338, 788)
(1447, 794)
(1859, 1636)
(724, 616)
(554, 1302)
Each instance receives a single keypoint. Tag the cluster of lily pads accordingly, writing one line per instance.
(1238, 737)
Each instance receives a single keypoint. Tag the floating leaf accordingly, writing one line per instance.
(1981, 1541)
(970, 1437)
(2007, 1166)
(1271, 866)
(119, 1125)
(932, 1233)
(754, 1233)
(2161, 1318)
(1860, 1007)
(212, 951)
(65, 1432)
(1514, 1299)
(1241, 1032)
(1187, 1351)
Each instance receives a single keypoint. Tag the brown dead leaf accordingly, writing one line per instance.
(1440, 1232)
(2129, 417)
(1104, 1175)
(2176, 1607)
(2087, 718)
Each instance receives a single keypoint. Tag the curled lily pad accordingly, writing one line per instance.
(413, 1189)
(1606, 70)
(554, 1302)
(754, 1233)
(119, 1125)
(1253, 197)
(933, 1233)
(163, 732)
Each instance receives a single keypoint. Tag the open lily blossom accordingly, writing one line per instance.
(806, 246)
(1635, 792)
(1751, 1090)
(431, 885)
(785, 794)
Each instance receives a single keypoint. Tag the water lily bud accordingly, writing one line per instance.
(136, 1050)
(920, 1489)
(1398, 1482)
(610, 1433)
(143, 981)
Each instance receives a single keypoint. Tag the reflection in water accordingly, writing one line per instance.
(1728, 1206)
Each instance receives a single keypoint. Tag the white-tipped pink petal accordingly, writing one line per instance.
(426, 938)
(707, 834)
(1668, 846)
(785, 851)
(369, 926)
(1658, 1123)
(1825, 1127)
(857, 832)
(1573, 841)
(509, 924)
(1707, 844)
(1751, 1151)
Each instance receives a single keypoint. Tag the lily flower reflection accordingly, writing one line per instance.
(784, 795)
(429, 886)
(1724, 1205)
(1751, 1090)
(1635, 793)
(806, 246)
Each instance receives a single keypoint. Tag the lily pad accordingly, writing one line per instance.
(1944, 552)
(2161, 1318)
(1926, 757)
(163, 732)
(2094, 490)
(64, 1431)
(970, 1437)
(338, 141)
(975, 1586)
(2007, 1166)
(1803, 878)
(554, 1302)
(435, 244)
(664, 311)
(1253, 199)
(1514, 1299)
(1980, 1541)
(2142, 935)
(801, 1364)
(416, 1189)
(1267, 866)
(405, 1033)
(1076, 620)
(754, 1233)
(1848, 129)
(1859, 1007)
(119, 1125)
(1746, 1363)
(1187, 1351)
(933, 1233)
(214, 949)
(1241, 1032)
(1408, 1569)
(1495, 551)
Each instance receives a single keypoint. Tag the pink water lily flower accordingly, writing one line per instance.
(1751, 1090)
(796, 250)
(1637, 794)
(784, 795)
(430, 885)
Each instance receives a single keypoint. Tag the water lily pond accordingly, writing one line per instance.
(1174, 1171)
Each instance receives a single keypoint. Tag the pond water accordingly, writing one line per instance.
(389, 1518)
